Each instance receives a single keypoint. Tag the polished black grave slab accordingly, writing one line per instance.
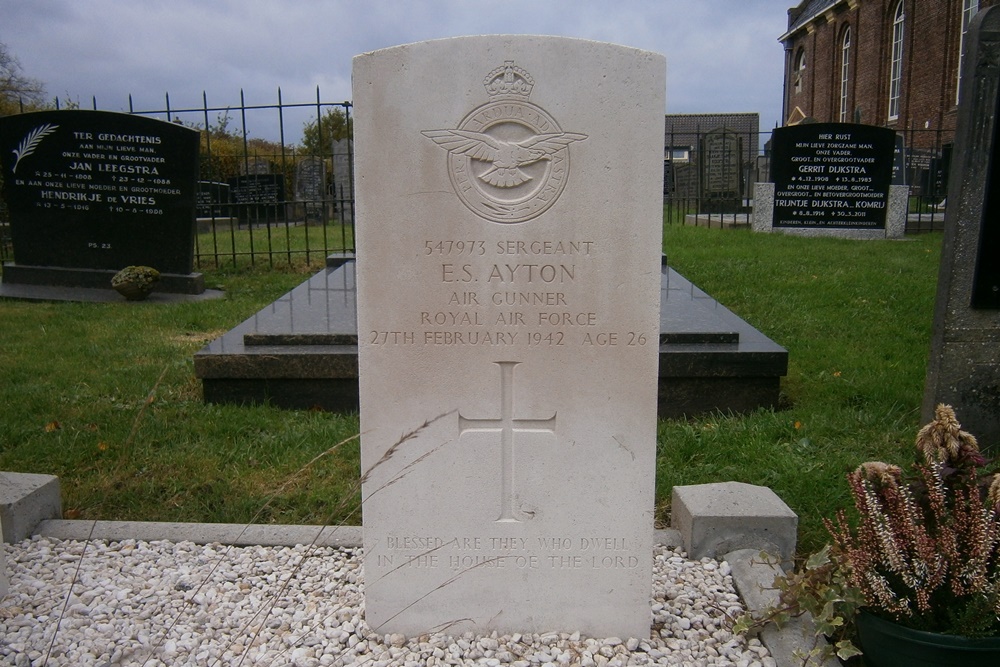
(301, 352)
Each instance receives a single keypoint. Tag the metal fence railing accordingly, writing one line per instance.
(300, 207)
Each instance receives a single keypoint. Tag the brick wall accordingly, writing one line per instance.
(929, 66)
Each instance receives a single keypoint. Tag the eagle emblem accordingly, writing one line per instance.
(508, 159)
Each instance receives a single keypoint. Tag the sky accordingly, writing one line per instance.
(722, 55)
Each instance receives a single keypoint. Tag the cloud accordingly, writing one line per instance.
(722, 55)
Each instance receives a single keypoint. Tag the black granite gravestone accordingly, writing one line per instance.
(986, 278)
(668, 178)
(964, 367)
(832, 175)
(258, 199)
(899, 162)
(301, 352)
(212, 199)
(90, 192)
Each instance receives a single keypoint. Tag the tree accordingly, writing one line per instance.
(318, 136)
(225, 152)
(15, 87)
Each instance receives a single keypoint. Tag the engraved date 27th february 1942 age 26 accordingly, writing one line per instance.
(509, 293)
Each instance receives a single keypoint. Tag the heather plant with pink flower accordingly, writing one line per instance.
(926, 549)
(922, 551)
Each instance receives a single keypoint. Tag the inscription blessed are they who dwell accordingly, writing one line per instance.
(520, 326)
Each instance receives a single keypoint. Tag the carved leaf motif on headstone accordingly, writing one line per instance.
(31, 141)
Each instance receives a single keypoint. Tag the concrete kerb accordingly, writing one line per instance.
(240, 535)
(26, 500)
(753, 572)
(753, 575)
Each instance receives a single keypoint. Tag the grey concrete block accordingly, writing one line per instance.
(714, 519)
(25, 501)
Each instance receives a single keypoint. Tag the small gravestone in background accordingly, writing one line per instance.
(510, 222)
(342, 180)
(212, 199)
(212, 208)
(90, 192)
(719, 161)
(685, 181)
(258, 199)
(310, 186)
(899, 161)
(832, 179)
(964, 368)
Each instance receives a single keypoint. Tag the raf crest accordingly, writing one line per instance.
(508, 159)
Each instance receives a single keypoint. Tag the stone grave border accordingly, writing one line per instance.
(740, 523)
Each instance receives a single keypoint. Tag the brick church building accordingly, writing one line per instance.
(893, 63)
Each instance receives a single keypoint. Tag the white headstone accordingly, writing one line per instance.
(509, 238)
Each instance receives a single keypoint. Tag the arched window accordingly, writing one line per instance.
(845, 72)
(896, 64)
(969, 9)
(800, 71)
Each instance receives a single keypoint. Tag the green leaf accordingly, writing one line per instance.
(819, 559)
(846, 649)
(742, 624)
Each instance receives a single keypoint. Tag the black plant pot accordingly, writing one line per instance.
(888, 644)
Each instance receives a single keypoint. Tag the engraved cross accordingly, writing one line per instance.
(507, 426)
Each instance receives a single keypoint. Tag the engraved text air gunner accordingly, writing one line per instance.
(525, 149)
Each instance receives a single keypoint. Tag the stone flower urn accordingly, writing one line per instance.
(135, 282)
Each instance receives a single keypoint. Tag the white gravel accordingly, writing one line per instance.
(165, 604)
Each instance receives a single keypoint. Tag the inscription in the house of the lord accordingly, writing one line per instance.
(500, 552)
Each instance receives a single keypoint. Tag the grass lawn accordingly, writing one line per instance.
(104, 395)
(226, 245)
(855, 317)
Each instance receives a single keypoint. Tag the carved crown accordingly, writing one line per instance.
(508, 80)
